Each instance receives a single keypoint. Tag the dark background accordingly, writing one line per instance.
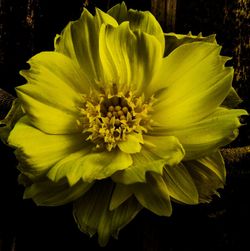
(28, 27)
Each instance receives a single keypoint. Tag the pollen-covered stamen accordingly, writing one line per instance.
(110, 118)
(115, 107)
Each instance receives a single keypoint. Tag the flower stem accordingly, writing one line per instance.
(235, 154)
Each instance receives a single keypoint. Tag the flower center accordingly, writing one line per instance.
(108, 119)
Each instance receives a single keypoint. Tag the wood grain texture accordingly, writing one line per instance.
(165, 11)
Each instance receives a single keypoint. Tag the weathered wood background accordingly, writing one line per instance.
(28, 27)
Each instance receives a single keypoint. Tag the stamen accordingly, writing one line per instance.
(122, 117)
(109, 120)
(120, 113)
(109, 114)
(125, 109)
(117, 122)
(111, 108)
(117, 108)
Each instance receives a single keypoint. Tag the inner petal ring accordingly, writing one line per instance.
(109, 118)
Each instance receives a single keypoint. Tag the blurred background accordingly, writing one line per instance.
(28, 27)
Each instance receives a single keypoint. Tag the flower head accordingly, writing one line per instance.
(120, 117)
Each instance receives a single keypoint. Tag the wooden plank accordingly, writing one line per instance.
(165, 11)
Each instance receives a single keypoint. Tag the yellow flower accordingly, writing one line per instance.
(114, 124)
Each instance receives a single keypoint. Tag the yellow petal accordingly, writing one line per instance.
(120, 194)
(138, 20)
(132, 144)
(208, 174)
(52, 94)
(180, 185)
(79, 41)
(154, 195)
(211, 133)
(47, 118)
(129, 59)
(104, 18)
(143, 162)
(175, 40)
(57, 71)
(38, 151)
(92, 214)
(194, 108)
(89, 166)
(49, 193)
(166, 147)
(119, 12)
(191, 84)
